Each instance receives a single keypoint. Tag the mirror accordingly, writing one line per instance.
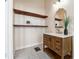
(60, 14)
(59, 20)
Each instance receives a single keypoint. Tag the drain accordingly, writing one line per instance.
(37, 49)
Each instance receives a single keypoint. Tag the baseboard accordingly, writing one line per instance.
(28, 46)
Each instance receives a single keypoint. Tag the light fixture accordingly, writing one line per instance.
(58, 0)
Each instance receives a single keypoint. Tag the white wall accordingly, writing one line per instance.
(21, 19)
(28, 36)
(51, 9)
(36, 6)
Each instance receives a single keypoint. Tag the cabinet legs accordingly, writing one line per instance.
(62, 57)
(43, 47)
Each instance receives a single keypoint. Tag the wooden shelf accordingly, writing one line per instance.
(58, 19)
(59, 27)
(28, 13)
(29, 26)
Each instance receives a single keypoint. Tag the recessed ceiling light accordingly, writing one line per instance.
(58, 0)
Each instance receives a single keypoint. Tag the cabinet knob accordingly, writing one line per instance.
(57, 49)
(57, 41)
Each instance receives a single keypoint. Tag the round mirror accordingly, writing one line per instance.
(59, 20)
(60, 14)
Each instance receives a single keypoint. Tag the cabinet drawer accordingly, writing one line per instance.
(57, 45)
(46, 40)
(58, 41)
(57, 50)
(47, 43)
(47, 36)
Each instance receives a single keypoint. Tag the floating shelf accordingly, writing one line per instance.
(29, 26)
(28, 13)
(58, 19)
(59, 27)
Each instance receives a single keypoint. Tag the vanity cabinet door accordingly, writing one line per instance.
(58, 45)
(68, 45)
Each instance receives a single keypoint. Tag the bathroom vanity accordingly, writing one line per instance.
(59, 43)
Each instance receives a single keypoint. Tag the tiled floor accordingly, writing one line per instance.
(30, 53)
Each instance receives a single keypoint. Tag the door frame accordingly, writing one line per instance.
(9, 29)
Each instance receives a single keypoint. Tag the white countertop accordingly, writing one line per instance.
(59, 35)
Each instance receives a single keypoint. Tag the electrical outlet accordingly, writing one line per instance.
(27, 22)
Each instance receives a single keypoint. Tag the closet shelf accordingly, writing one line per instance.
(29, 26)
(28, 13)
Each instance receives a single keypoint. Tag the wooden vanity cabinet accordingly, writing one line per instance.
(62, 46)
